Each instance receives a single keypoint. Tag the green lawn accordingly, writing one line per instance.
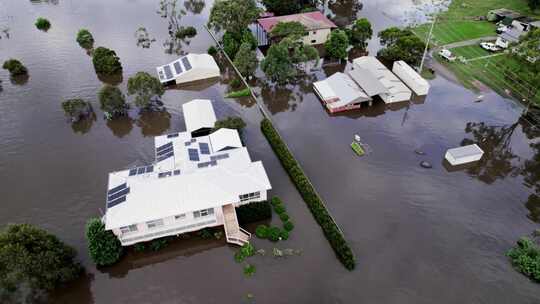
(457, 23)
(470, 52)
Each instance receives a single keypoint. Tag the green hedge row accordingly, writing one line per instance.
(254, 212)
(314, 202)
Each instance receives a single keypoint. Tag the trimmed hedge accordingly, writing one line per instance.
(313, 201)
(254, 212)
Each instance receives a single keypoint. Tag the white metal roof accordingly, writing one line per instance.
(339, 90)
(225, 138)
(367, 81)
(465, 151)
(189, 64)
(199, 114)
(382, 74)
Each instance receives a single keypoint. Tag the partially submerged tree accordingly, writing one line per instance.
(77, 109)
(336, 46)
(15, 67)
(283, 7)
(232, 122)
(288, 29)
(146, 88)
(112, 101)
(85, 39)
(233, 15)
(232, 42)
(33, 261)
(104, 247)
(246, 60)
(401, 45)
(360, 33)
(277, 65)
(43, 24)
(106, 62)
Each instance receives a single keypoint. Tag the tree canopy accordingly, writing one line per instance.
(112, 101)
(336, 46)
(15, 67)
(277, 64)
(85, 39)
(360, 33)
(246, 60)
(283, 7)
(232, 42)
(401, 45)
(33, 261)
(533, 4)
(233, 15)
(105, 249)
(288, 29)
(106, 62)
(76, 109)
(43, 24)
(145, 87)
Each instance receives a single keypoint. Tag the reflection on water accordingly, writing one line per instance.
(84, 125)
(55, 2)
(533, 205)
(20, 79)
(79, 289)
(170, 10)
(120, 126)
(344, 12)
(143, 38)
(194, 6)
(113, 80)
(154, 123)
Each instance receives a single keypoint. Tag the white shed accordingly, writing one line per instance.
(189, 68)
(340, 93)
(199, 116)
(463, 155)
(224, 139)
(411, 78)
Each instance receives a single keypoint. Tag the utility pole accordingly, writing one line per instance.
(427, 44)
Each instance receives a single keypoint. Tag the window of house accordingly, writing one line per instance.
(127, 229)
(180, 216)
(313, 41)
(250, 196)
(314, 32)
(203, 213)
(154, 223)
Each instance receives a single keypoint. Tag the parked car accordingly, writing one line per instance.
(490, 46)
(446, 54)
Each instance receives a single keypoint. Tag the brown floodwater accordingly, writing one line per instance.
(420, 235)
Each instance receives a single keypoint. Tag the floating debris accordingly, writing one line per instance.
(261, 252)
(425, 164)
(276, 252)
(419, 152)
(143, 38)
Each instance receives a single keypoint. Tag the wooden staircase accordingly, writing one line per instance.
(234, 233)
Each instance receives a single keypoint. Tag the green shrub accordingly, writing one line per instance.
(43, 24)
(254, 212)
(112, 101)
(159, 244)
(249, 270)
(274, 234)
(525, 258)
(284, 235)
(212, 50)
(276, 201)
(242, 93)
(106, 62)
(247, 250)
(77, 109)
(85, 39)
(139, 247)
(313, 201)
(32, 261)
(15, 67)
(231, 122)
(288, 226)
(206, 234)
(104, 247)
(232, 42)
(261, 231)
(235, 83)
(279, 209)
(284, 217)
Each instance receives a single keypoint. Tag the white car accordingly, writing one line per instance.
(490, 46)
(446, 54)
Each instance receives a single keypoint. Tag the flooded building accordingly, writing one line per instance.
(195, 182)
(189, 68)
(411, 78)
(317, 25)
(340, 93)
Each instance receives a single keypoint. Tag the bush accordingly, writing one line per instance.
(232, 122)
(274, 234)
(139, 247)
(525, 258)
(112, 101)
(284, 217)
(254, 212)
(249, 270)
(284, 235)
(212, 50)
(43, 24)
(106, 62)
(77, 109)
(33, 260)
(242, 93)
(275, 201)
(184, 32)
(313, 201)
(245, 251)
(103, 245)
(15, 67)
(159, 244)
(261, 231)
(235, 83)
(85, 39)
(279, 209)
(288, 226)
(205, 233)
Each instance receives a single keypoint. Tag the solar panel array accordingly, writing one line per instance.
(172, 135)
(187, 143)
(165, 151)
(193, 154)
(168, 72)
(176, 172)
(178, 67)
(117, 195)
(207, 164)
(220, 156)
(164, 174)
(186, 63)
(205, 149)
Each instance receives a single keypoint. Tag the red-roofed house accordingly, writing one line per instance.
(318, 27)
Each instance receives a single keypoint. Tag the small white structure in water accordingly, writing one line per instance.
(340, 93)
(463, 155)
(188, 68)
(199, 116)
(411, 78)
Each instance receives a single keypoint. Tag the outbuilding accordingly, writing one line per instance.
(189, 68)
(463, 155)
(411, 78)
(340, 93)
(199, 116)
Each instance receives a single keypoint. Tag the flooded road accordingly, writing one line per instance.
(420, 236)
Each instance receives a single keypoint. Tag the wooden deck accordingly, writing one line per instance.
(234, 233)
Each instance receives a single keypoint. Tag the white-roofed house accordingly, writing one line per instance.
(189, 68)
(199, 116)
(195, 182)
(340, 93)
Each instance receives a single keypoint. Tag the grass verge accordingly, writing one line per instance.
(242, 93)
(311, 198)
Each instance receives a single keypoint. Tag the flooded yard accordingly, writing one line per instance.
(419, 235)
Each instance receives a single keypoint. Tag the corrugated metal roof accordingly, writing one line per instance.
(312, 21)
(367, 81)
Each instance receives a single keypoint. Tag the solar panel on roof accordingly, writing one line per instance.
(220, 156)
(149, 169)
(164, 174)
(163, 147)
(133, 172)
(193, 140)
(165, 151)
(176, 172)
(205, 149)
(178, 67)
(117, 188)
(164, 157)
(193, 154)
(168, 72)
(141, 170)
(116, 202)
(187, 143)
(186, 63)
(116, 195)
(172, 135)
